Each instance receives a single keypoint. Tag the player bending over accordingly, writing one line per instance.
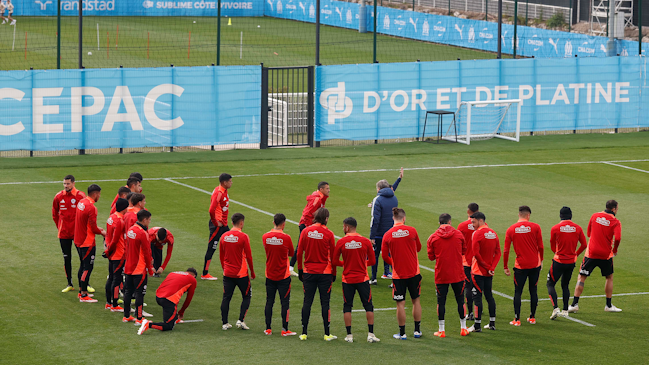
(399, 249)
(446, 247)
(314, 261)
(604, 231)
(160, 237)
(234, 253)
(168, 295)
(358, 254)
(563, 242)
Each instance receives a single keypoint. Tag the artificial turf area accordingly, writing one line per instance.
(161, 41)
(42, 325)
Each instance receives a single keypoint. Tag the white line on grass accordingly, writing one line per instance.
(579, 321)
(597, 296)
(190, 320)
(626, 167)
(346, 171)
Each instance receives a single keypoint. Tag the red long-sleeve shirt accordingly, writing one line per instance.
(399, 249)
(234, 252)
(85, 225)
(113, 207)
(358, 254)
(175, 285)
(169, 241)
(604, 231)
(219, 206)
(115, 231)
(130, 217)
(317, 245)
(486, 251)
(138, 251)
(563, 242)
(528, 245)
(279, 249)
(314, 202)
(467, 230)
(64, 211)
(447, 247)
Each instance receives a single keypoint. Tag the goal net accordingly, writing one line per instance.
(480, 120)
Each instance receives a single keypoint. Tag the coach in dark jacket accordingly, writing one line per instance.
(382, 221)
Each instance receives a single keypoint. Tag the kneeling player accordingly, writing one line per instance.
(279, 249)
(358, 254)
(168, 296)
(486, 254)
(446, 247)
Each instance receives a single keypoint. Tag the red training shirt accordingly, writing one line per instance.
(486, 251)
(85, 226)
(314, 202)
(317, 244)
(528, 245)
(113, 207)
(563, 242)
(234, 251)
(467, 230)
(603, 230)
(219, 205)
(138, 251)
(64, 211)
(446, 247)
(358, 254)
(175, 285)
(399, 249)
(115, 232)
(169, 241)
(279, 249)
(130, 217)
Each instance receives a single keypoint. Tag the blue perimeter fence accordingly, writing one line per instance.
(202, 106)
(473, 34)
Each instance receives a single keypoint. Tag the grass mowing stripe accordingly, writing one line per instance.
(627, 167)
(346, 172)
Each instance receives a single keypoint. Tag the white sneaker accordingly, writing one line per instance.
(143, 327)
(555, 313)
(372, 339)
(349, 338)
(399, 337)
(417, 334)
(373, 282)
(293, 273)
(13, 22)
(226, 326)
(564, 314)
(574, 309)
(242, 325)
(612, 308)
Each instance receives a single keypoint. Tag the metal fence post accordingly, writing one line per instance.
(263, 141)
(58, 36)
(640, 27)
(500, 28)
(374, 30)
(515, 24)
(218, 34)
(80, 35)
(317, 33)
(311, 105)
(570, 16)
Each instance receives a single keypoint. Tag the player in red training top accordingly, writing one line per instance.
(219, 209)
(358, 254)
(85, 229)
(467, 230)
(563, 242)
(114, 252)
(399, 249)
(447, 247)
(160, 237)
(314, 262)
(168, 295)
(137, 203)
(528, 244)
(137, 265)
(604, 231)
(133, 185)
(64, 211)
(486, 254)
(315, 201)
(279, 249)
(236, 256)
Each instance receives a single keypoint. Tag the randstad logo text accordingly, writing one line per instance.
(338, 105)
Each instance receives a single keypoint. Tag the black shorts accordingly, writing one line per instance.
(364, 292)
(588, 265)
(413, 285)
(559, 270)
(215, 235)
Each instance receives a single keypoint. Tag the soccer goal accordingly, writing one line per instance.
(480, 120)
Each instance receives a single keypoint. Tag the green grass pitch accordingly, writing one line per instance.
(41, 325)
(248, 41)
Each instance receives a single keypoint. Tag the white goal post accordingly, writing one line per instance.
(480, 120)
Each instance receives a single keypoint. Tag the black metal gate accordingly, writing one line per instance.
(287, 106)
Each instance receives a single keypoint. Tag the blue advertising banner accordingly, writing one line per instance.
(387, 101)
(141, 8)
(106, 108)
